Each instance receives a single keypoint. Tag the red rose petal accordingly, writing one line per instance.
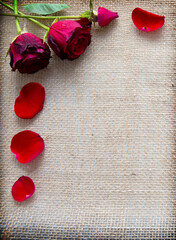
(30, 101)
(26, 146)
(23, 189)
(147, 21)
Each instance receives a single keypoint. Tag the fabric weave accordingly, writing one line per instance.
(108, 122)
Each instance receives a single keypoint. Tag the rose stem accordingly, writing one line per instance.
(91, 7)
(21, 14)
(16, 18)
(46, 34)
(39, 17)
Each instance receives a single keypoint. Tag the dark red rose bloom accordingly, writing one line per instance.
(26, 146)
(147, 21)
(28, 53)
(105, 16)
(30, 100)
(85, 23)
(69, 39)
(23, 189)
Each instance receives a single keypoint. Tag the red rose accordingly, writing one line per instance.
(69, 39)
(105, 16)
(28, 53)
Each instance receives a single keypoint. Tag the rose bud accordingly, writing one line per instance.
(105, 16)
(69, 39)
(28, 53)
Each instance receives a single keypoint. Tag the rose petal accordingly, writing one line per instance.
(23, 189)
(30, 101)
(147, 21)
(78, 43)
(26, 146)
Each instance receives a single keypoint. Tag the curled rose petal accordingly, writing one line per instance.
(23, 189)
(26, 146)
(105, 16)
(30, 100)
(147, 21)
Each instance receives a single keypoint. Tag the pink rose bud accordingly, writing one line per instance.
(28, 53)
(105, 16)
(69, 39)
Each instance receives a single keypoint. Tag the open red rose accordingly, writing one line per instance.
(30, 100)
(23, 189)
(28, 53)
(26, 146)
(147, 21)
(105, 16)
(69, 39)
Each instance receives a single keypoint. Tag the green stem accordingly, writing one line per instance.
(39, 17)
(16, 18)
(91, 7)
(21, 14)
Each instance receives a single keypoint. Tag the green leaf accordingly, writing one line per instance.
(86, 14)
(44, 8)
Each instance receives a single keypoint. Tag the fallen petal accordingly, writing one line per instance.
(26, 146)
(30, 100)
(23, 189)
(147, 21)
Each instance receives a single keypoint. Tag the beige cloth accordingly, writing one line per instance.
(108, 123)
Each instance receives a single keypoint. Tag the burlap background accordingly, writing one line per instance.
(107, 171)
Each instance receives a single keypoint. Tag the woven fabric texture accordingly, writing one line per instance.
(108, 169)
